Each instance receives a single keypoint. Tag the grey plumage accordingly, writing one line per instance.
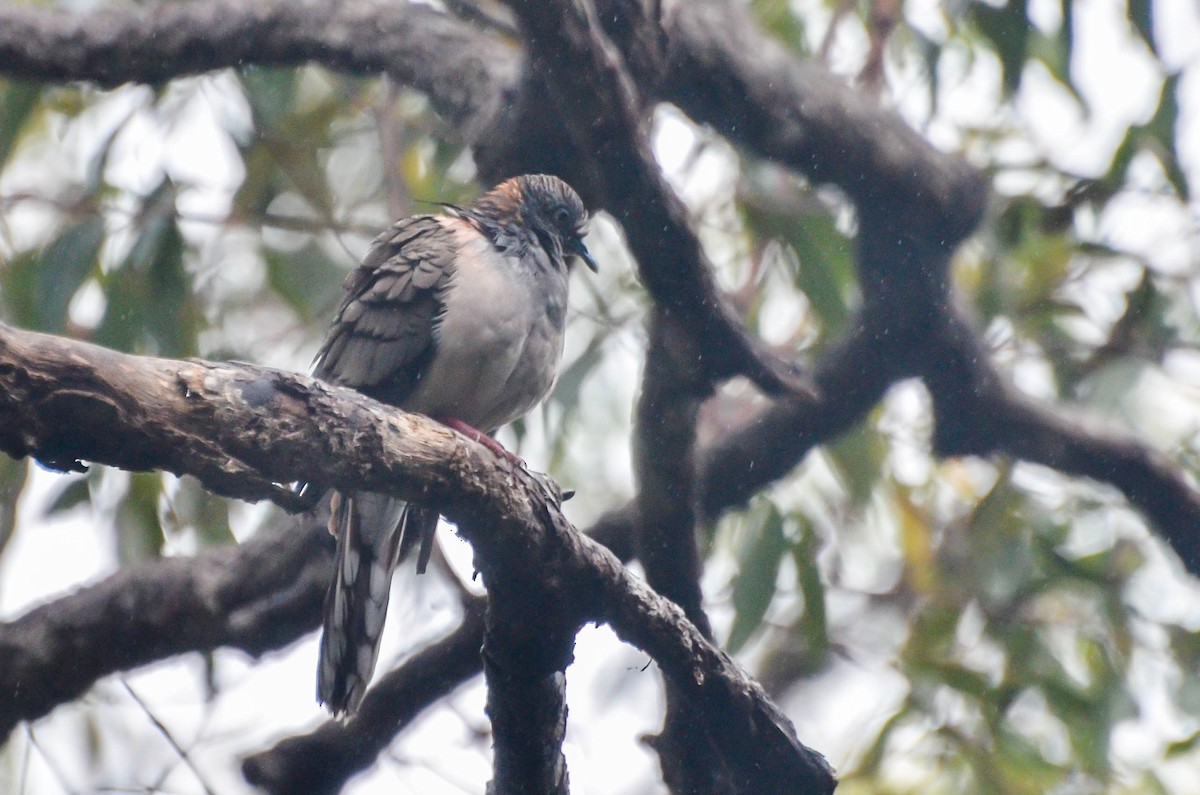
(459, 317)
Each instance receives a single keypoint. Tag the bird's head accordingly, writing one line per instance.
(548, 207)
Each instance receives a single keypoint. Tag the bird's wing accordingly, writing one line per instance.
(385, 330)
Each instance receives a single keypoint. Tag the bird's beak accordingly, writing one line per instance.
(580, 250)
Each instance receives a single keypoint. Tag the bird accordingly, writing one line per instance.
(459, 316)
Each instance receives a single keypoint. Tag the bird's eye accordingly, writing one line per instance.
(562, 217)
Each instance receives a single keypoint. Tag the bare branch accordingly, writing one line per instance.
(673, 388)
(979, 414)
(336, 751)
(220, 420)
(599, 106)
(525, 659)
(460, 68)
(723, 70)
(708, 57)
(255, 597)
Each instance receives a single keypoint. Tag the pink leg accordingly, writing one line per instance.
(479, 436)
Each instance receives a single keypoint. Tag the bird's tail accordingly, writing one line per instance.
(417, 527)
(367, 527)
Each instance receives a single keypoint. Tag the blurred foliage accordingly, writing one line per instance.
(1017, 598)
(1022, 614)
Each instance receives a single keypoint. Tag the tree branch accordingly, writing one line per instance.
(219, 419)
(851, 379)
(723, 70)
(398, 697)
(578, 69)
(979, 414)
(914, 205)
(254, 597)
(524, 664)
(673, 389)
(467, 74)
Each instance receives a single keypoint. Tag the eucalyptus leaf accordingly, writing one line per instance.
(13, 477)
(758, 569)
(1007, 29)
(139, 531)
(19, 102)
(39, 286)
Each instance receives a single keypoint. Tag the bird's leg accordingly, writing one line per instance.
(481, 437)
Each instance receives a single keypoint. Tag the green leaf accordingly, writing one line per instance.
(1161, 130)
(18, 101)
(139, 531)
(1024, 768)
(858, 457)
(270, 92)
(149, 294)
(76, 492)
(1054, 52)
(1157, 135)
(1000, 565)
(777, 17)
(286, 154)
(1008, 30)
(758, 568)
(1185, 746)
(13, 476)
(299, 167)
(814, 624)
(826, 271)
(192, 509)
(294, 123)
(1141, 14)
(824, 261)
(307, 279)
(916, 541)
(874, 757)
(1122, 157)
(965, 680)
(39, 286)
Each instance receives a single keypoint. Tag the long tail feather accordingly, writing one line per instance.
(417, 530)
(367, 526)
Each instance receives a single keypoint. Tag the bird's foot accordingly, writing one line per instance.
(481, 437)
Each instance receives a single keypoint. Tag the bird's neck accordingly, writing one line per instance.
(509, 234)
(503, 205)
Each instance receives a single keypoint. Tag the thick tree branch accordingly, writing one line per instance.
(756, 740)
(470, 77)
(723, 70)
(706, 56)
(255, 597)
(338, 748)
(583, 75)
(1149, 480)
(979, 414)
(218, 420)
(850, 379)
(527, 694)
(673, 388)
(665, 416)
(976, 413)
(467, 74)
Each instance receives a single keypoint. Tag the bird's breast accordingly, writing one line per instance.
(499, 340)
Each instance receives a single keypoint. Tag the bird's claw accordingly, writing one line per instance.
(482, 438)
